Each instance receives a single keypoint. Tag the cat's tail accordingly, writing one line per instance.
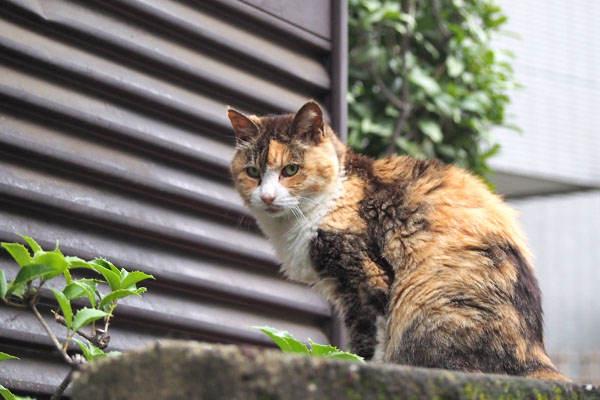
(549, 374)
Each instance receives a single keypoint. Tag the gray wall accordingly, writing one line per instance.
(114, 140)
(564, 234)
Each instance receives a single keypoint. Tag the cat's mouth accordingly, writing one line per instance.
(273, 209)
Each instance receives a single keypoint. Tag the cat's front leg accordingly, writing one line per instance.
(357, 286)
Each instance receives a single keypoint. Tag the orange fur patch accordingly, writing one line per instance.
(279, 155)
(319, 170)
(548, 375)
(345, 215)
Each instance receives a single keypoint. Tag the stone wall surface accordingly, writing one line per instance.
(190, 370)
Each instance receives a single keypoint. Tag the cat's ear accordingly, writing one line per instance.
(308, 123)
(245, 129)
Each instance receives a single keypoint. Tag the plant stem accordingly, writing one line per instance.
(63, 385)
(11, 304)
(109, 316)
(99, 339)
(446, 35)
(53, 337)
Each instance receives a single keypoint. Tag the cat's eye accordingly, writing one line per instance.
(253, 172)
(290, 170)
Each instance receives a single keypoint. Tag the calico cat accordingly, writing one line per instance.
(426, 265)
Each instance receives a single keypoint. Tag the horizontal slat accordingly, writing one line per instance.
(182, 267)
(145, 321)
(129, 213)
(115, 123)
(266, 51)
(147, 49)
(318, 21)
(272, 23)
(68, 150)
(119, 213)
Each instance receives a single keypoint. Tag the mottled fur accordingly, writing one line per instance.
(427, 267)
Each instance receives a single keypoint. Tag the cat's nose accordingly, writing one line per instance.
(267, 198)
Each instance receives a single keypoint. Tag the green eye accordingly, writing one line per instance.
(290, 170)
(253, 172)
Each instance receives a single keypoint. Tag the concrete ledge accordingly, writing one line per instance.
(189, 370)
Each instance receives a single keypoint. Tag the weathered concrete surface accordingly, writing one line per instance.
(188, 370)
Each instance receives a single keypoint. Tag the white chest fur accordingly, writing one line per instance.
(291, 236)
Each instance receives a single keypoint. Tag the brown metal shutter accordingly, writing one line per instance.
(114, 140)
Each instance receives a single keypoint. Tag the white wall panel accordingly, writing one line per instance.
(558, 63)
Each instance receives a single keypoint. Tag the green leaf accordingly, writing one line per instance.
(286, 342)
(86, 316)
(342, 355)
(118, 294)
(431, 129)
(106, 264)
(455, 66)
(90, 352)
(65, 306)
(6, 394)
(134, 277)
(52, 259)
(32, 244)
(418, 77)
(329, 351)
(4, 356)
(76, 262)
(3, 285)
(113, 279)
(18, 252)
(81, 288)
(29, 273)
(19, 291)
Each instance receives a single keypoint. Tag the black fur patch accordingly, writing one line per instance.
(527, 298)
(341, 255)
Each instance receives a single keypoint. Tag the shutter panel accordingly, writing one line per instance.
(114, 140)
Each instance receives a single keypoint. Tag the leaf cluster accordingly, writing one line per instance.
(424, 79)
(288, 344)
(37, 266)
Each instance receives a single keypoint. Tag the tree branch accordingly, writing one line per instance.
(409, 7)
(387, 93)
(446, 35)
(63, 386)
(12, 304)
(53, 337)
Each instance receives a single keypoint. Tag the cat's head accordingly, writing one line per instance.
(284, 162)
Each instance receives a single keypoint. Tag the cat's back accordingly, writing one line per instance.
(445, 204)
(462, 271)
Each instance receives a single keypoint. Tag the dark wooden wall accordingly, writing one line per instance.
(114, 140)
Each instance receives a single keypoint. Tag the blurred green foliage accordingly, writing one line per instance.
(425, 80)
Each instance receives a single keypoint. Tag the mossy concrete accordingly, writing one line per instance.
(189, 370)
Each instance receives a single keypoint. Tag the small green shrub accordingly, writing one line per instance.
(288, 344)
(37, 267)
